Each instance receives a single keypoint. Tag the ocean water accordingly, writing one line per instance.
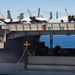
(64, 41)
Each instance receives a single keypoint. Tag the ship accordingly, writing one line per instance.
(21, 52)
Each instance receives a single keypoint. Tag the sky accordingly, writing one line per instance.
(46, 6)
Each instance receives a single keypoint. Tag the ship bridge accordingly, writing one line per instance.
(18, 30)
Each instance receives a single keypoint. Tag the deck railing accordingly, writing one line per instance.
(40, 27)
